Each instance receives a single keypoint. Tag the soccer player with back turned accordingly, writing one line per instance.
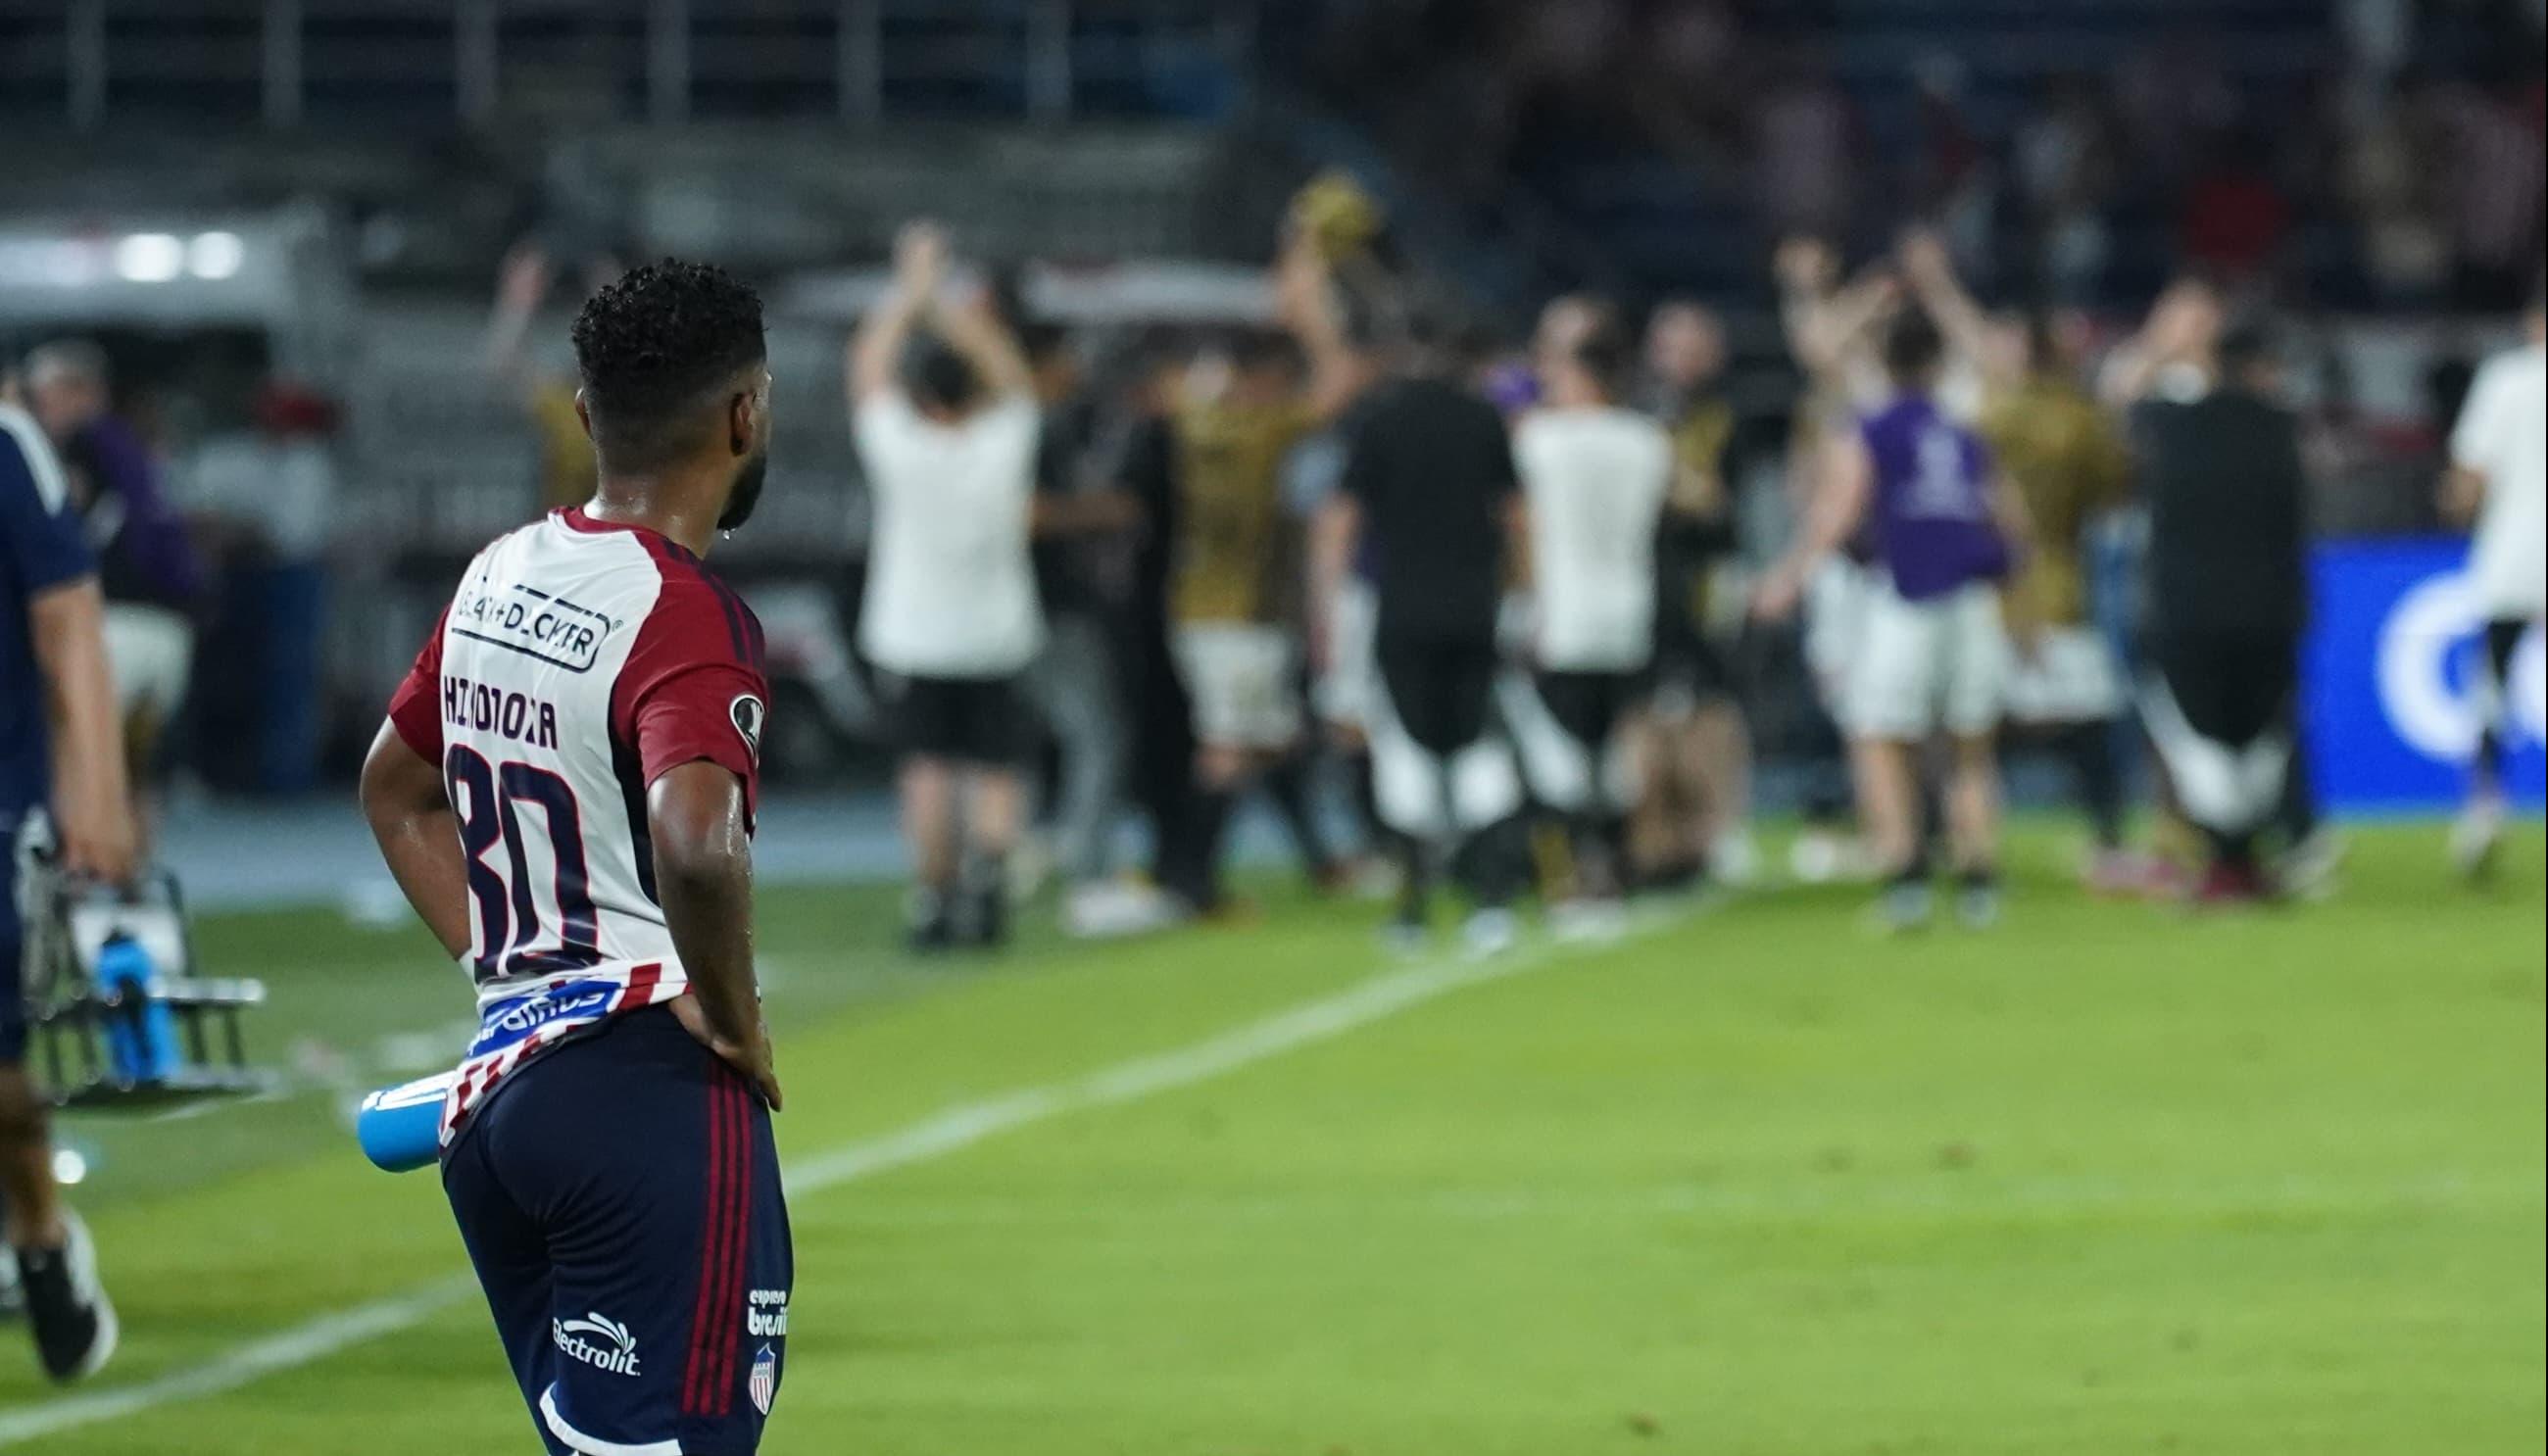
(565, 791)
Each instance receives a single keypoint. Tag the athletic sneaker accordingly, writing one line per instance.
(1588, 922)
(2124, 873)
(73, 1321)
(928, 927)
(1734, 860)
(1905, 906)
(1406, 938)
(1977, 904)
(2476, 836)
(2230, 886)
(1489, 931)
(982, 914)
(2307, 868)
(1111, 909)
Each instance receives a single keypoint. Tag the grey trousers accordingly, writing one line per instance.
(1073, 685)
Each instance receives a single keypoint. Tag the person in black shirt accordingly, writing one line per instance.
(2228, 600)
(1429, 490)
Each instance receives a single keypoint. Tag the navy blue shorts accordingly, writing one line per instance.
(620, 1199)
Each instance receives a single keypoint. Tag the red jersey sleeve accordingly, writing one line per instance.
(415, 708)
(693, 687)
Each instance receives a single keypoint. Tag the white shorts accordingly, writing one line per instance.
(2069, 677)
(1926, 666)
(150, 656)
(1835, 621)
(1352, 676)
(1239, 678)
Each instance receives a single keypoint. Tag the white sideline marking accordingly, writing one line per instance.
(949, 1132)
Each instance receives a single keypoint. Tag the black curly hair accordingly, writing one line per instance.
(656, 349)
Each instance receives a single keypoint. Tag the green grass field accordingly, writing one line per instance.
(2111, 1179)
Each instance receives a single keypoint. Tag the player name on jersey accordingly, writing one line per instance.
(480, 708)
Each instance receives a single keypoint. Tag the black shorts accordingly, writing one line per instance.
(2232, 691)
(1440, 692)
(1589, 706)
(620, 1198)
(1567, 727)
(981, 721)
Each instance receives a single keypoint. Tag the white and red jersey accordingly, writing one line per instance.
(577, 662)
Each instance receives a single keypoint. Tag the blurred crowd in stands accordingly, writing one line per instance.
(2378, 153)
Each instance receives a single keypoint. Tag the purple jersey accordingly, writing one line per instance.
(1931, 509)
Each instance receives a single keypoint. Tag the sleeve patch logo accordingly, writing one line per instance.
(749, 715)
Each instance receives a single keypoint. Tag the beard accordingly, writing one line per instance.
(748, 481)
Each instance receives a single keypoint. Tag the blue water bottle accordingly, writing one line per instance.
(140, 1034)
(400, 1128)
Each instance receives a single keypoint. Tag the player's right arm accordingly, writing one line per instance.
(409, 806)
(701, 827)
(412, 819)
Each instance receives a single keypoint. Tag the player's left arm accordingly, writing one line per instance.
(412, 818)
(700, 822)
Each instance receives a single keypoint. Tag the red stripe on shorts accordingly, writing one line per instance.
(730, 1342)
(694, 1375)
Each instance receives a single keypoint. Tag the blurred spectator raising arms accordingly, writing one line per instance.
(943, 408)
(1232, 597)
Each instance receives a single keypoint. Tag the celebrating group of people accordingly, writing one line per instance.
(1504, 595)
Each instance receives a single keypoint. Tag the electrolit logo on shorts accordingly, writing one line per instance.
(765, 1380)
(504, 1023)
(602, 1343)
(767, 1318)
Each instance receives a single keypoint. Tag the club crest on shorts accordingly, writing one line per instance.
(765, 1379)
(749, 715)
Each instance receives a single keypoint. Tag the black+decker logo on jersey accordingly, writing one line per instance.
(533, 622)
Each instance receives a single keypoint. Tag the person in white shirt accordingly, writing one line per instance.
(943, 410)
(2499, 479)
(1596, 480)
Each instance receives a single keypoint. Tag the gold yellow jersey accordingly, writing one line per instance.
(1232, 553)
(2069, 463)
